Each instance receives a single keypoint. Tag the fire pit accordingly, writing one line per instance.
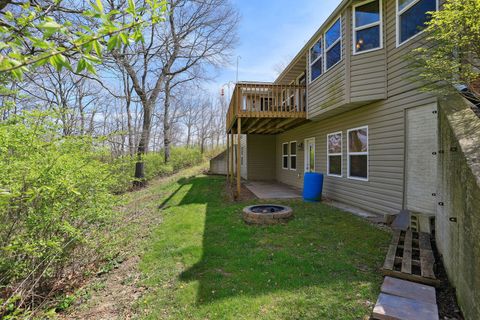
(267, 214)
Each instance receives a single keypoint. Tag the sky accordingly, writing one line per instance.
(271, 33)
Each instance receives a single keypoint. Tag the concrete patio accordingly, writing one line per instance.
(272, 190)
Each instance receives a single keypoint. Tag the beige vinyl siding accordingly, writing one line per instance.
(261, 157)
(244, 166)
(400, 74)
(328, 90)
(368, 70)
(378, 74)
(383, 192)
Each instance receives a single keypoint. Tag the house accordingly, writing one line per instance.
(345, 106)
(348, 106)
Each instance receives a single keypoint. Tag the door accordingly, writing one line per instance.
(421, 159)
(310, 155)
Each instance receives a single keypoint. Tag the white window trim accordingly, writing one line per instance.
(312, 62)
(335, 154)
(373, 24)
(285, 155)
(399, 13)
(306, 150)
(358, 154)
(295, 155)
(340, 39)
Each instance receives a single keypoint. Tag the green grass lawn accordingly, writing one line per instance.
(203, 262)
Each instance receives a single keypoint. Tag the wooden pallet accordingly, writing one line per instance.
(410, 257)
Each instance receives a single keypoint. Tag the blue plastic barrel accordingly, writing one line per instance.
(312, 186)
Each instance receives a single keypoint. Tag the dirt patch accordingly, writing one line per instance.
(448, 308)
(112, 296)
(231, 190)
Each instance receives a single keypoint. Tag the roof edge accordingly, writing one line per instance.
(313, 38)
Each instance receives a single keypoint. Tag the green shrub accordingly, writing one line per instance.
(54, 192)
(182, 157)
(56, 198)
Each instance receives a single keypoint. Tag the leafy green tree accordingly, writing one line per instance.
(454, 60)
(34, 33)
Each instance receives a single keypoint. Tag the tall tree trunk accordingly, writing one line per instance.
(166, 122)
(131, 147)
(143, 145)
(189, 129)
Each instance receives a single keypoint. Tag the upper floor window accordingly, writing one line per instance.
(316, 58)
(367, 26)
(412, 15)
(333, 44)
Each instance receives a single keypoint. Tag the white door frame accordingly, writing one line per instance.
(307, 154)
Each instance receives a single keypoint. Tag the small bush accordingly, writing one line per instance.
(54, 194)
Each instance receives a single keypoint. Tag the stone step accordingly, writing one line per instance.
(408, 289)
(390, 307)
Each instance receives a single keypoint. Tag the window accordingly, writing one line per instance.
(316, 58)
(293, 155)
(412, 16)
(285, 156)
(357, 153)
(367, 26)
(333, 44)
(334, 154)
(242, 155)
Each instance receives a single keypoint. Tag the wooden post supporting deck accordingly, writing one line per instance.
(227, 158)
(231, 157)
(239, 131)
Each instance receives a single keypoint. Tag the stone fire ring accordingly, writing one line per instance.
(267, 214)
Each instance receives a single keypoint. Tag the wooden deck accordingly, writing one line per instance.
(410, 257)
(266, 108)
(261, 108)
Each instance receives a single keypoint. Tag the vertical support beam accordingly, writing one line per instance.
(231, 157)
(239, 177)
(227, 158)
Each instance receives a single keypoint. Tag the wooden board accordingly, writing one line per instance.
(410, 257)
(408, 289)
(390, 307)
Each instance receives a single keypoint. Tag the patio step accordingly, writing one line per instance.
(401, 299)
(390, 307)
(409, 290)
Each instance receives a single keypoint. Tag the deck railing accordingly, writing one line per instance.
(258, 100)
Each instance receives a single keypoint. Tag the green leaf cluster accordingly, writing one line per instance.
(31, 38)
(452, 56)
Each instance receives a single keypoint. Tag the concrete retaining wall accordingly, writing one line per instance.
(218, 165)
(459, 198)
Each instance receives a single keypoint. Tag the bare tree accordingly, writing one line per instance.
(197, 33)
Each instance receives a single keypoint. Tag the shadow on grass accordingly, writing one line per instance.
(322, 249)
